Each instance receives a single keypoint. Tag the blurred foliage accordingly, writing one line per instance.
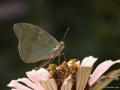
(94, 30)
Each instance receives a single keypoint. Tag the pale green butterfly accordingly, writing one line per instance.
(35, 44)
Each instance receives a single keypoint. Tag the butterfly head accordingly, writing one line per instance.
(61, 46)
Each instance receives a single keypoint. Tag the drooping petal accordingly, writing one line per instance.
(15, 89)
(103, 67)
(37, 80)
(82, 77)
(37, 75)
(88, 61)
(43, 77)
(50, 84)
(105, 80)
(16, 85)
(30, 84)
(67, 84)
(53, 84)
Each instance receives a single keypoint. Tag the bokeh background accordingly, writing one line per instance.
(94, 30)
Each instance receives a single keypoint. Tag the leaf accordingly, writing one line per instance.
(105, 80)
(83, 75)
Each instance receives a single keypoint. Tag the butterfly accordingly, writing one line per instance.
(35, 44)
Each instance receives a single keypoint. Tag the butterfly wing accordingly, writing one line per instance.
(35, 44)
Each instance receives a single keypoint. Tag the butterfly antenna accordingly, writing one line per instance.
(65, 33)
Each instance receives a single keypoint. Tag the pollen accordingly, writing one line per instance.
(62, 71)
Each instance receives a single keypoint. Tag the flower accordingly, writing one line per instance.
(37, 80)
(71, 75)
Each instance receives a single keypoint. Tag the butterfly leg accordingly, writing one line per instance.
(63, 55)
(59, 57)
(51, 60)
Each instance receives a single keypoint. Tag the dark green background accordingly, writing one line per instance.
(94, 30)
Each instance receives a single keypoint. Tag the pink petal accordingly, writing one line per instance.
(37, 75)
(17, 85)
(101, 68)
(15, 89)
(67, 84)
(34, 81)
(88, 61)
(31, 84)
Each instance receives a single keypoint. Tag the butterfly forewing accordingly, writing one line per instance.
(35, 44)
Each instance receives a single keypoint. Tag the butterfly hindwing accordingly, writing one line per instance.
(35, 44)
